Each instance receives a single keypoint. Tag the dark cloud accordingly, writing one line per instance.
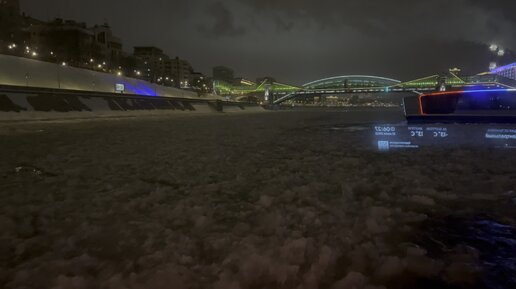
(223, 22)
(505, 8)
(299, 40)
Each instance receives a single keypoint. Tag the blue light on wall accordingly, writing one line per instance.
(140, 89)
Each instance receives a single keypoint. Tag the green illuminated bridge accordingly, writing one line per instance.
(279, 92)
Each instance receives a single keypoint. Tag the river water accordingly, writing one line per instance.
(299, 199)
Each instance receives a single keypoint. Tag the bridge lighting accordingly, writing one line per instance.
(492, 65)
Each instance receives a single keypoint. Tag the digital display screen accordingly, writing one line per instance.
(396, 137)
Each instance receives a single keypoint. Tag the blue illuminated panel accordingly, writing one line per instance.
(508, 71)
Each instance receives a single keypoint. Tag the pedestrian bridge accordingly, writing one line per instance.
(372, 84)
(359, 84)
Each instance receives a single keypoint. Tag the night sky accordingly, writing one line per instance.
(301, 40)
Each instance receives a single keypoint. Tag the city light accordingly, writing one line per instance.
(492, 65)
(91, 60)
(493, 47)
(501, 52)
(34, 54)
(119, 73)
(63, 63)
(99, 66)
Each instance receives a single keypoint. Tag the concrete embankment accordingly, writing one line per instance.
(39, 104)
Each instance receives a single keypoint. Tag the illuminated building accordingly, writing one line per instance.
(200, 82)
(507, 71)
(154, 62)
(74, 42)
(160, 68)
(180, 71)
(109, 45)
(69, 40)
